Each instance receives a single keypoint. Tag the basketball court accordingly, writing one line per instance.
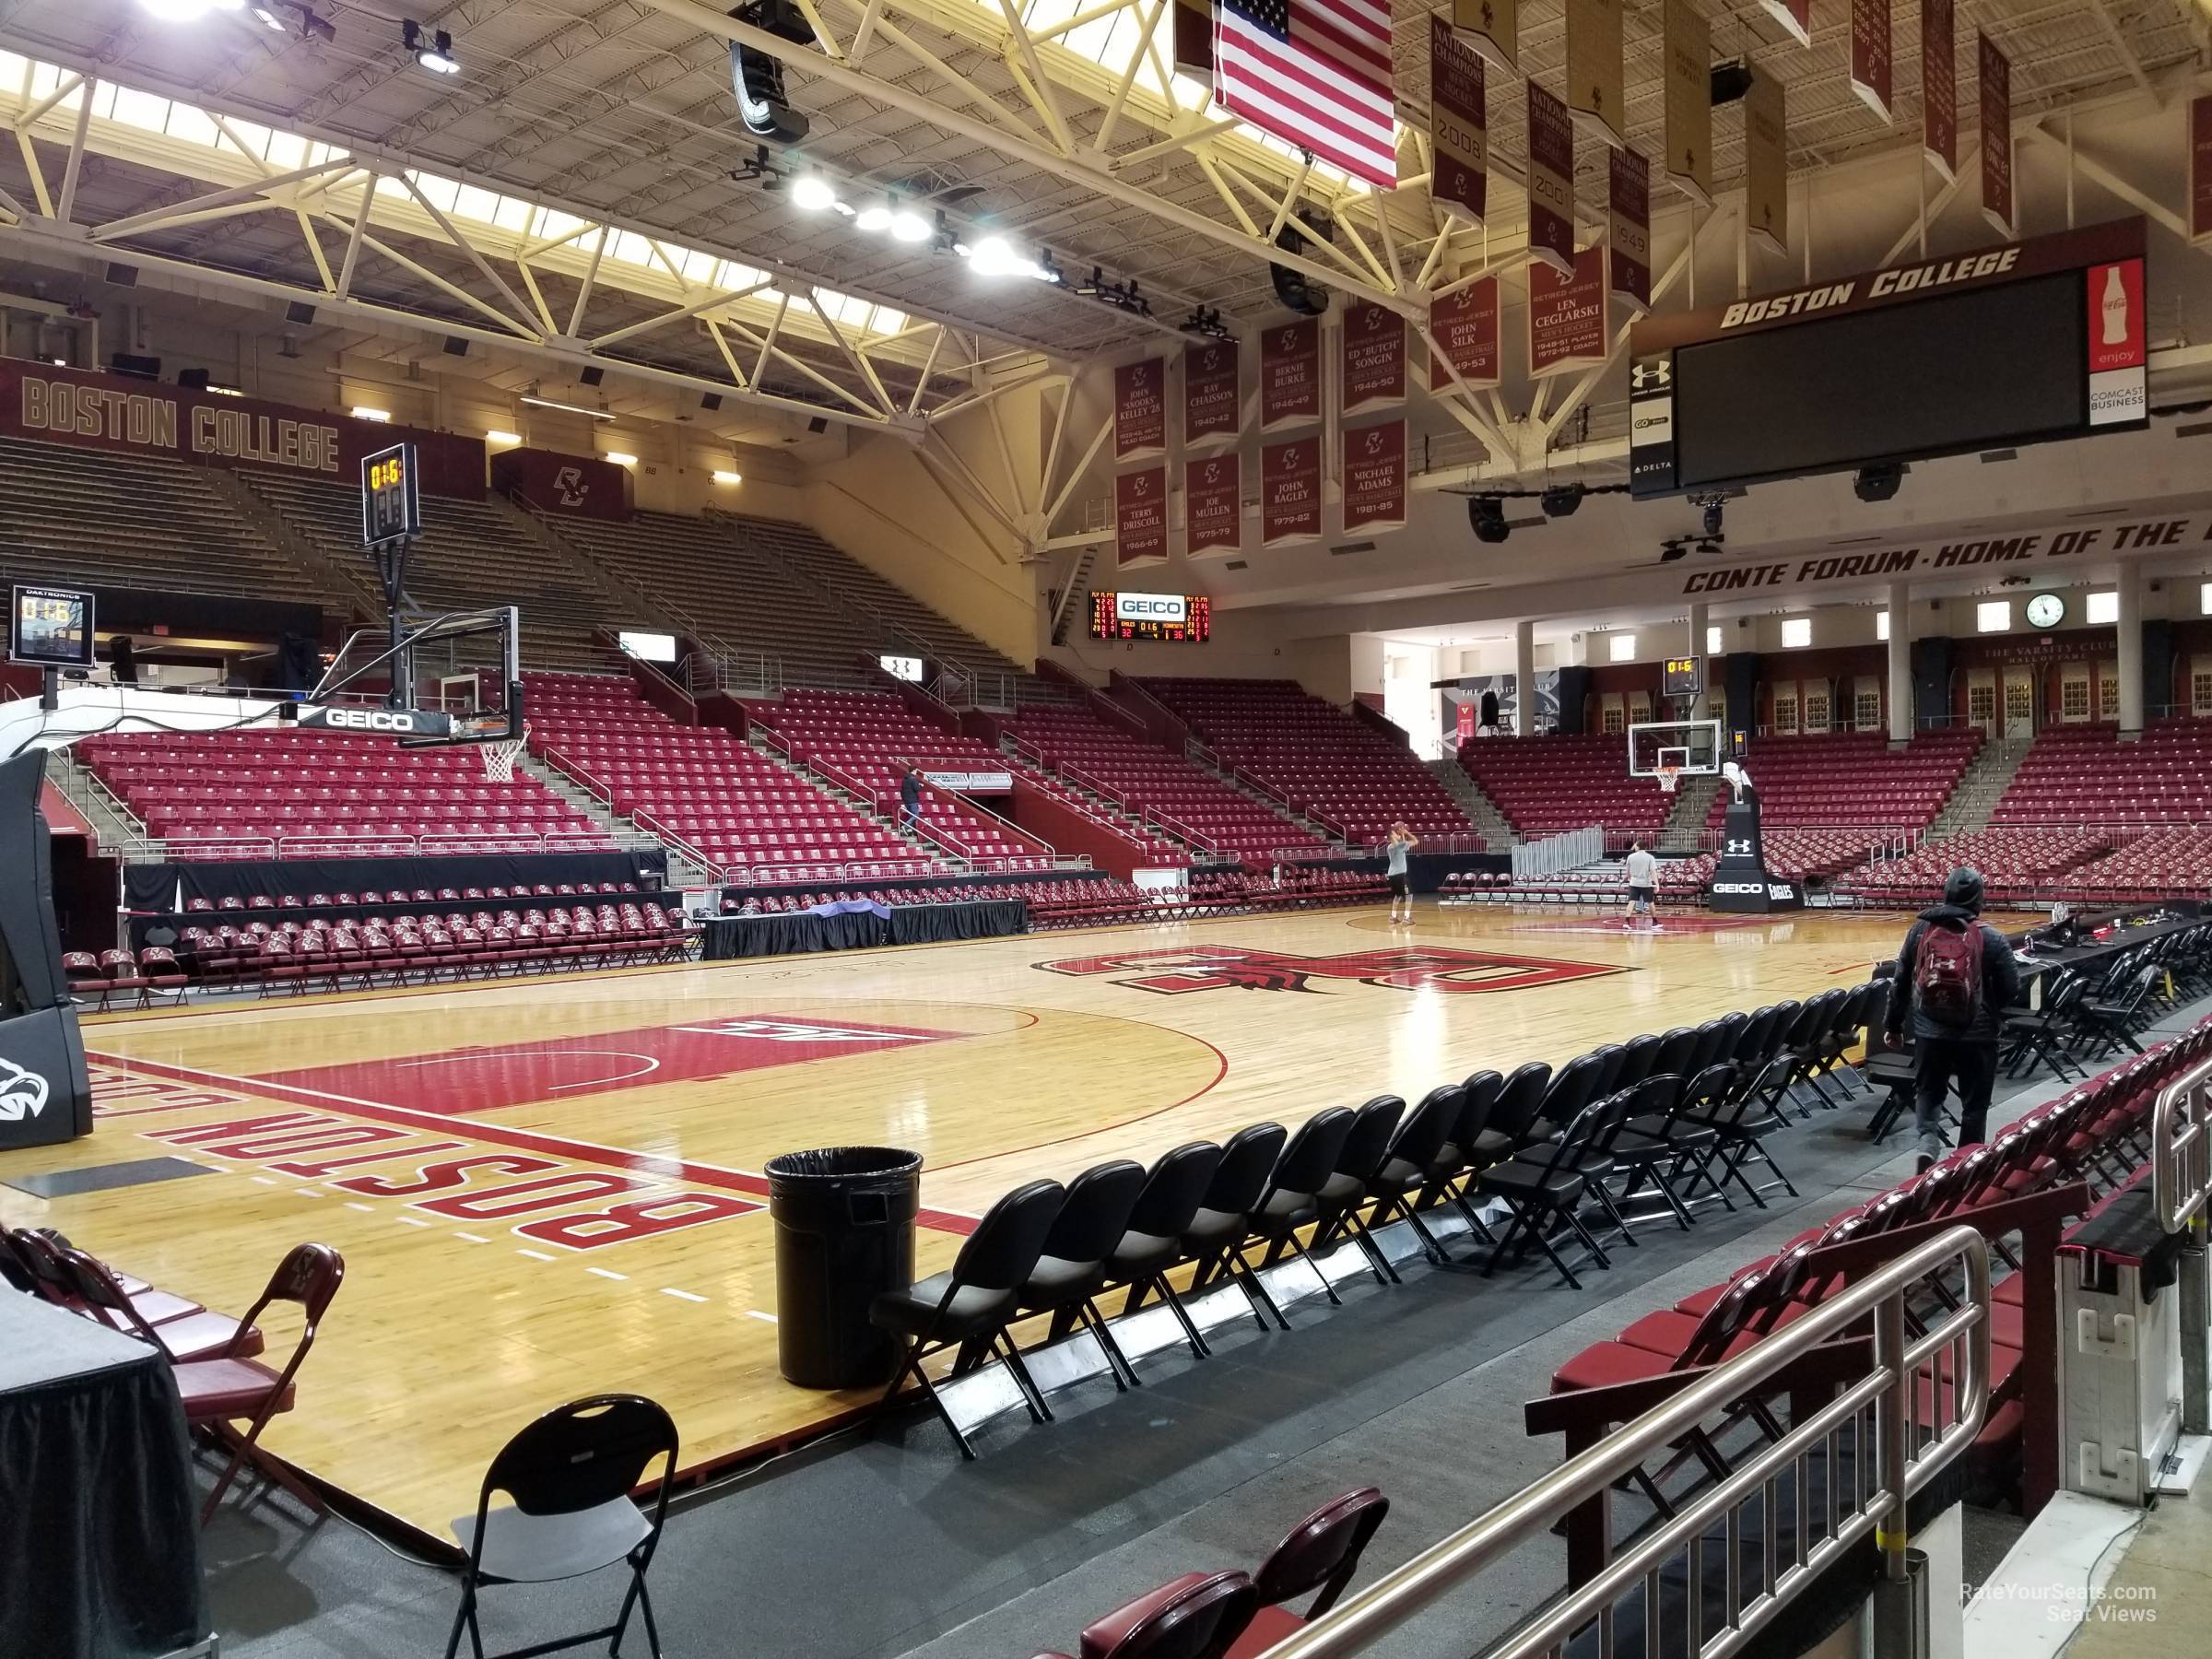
(546, 1188)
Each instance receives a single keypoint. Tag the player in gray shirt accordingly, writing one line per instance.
(1643, 873)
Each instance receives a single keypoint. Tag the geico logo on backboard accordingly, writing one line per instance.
(1151, 607)
(22, 1092)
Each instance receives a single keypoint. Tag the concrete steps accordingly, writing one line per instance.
(113, 821)
(625, 832)
(1683, 834)
(1497, 833)
(1980, 788)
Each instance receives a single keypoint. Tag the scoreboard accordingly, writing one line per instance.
(50, 628)
(1684, 677)
(1178, 619)
(391, 496)
(2024, 343)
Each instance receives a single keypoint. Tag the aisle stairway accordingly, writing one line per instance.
(1682, 833)
(1482, 812)
(1981, 788)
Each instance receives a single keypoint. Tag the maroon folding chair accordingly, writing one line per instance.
(198, 1335)
(1198, 1616)
(1321, 1553)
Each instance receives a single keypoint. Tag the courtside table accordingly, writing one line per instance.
(99, 1538)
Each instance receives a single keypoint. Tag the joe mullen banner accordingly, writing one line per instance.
(1996, 135)
(1550, 181)
(1210, 398)
(1870, 60)
(1689, 102)
(1290, 491)
(1213, 504)
(1373, 348)
(2200, 168)
(1140, 409)
(1291, 373)
(1459, 126)
(202, 428)
(1566, 325)
(1140, 516)
(1939, 88)
(1492, 28)
(1593, 70)
(1631, 228)
(1374, 477)
(1465, 328)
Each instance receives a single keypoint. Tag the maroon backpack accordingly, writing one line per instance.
(1947, 980)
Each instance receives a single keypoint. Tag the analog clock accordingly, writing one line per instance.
(2046, 610)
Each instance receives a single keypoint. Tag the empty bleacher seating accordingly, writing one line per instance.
(2018, 865)
(2084, 775)
(1546, 785)
(1853, 778)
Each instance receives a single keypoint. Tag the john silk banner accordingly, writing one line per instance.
(2200, 169)
(1630, 228)
(1794, 15)
(1140, 409)
(1374, 477)
(1870, 60)
(1593, 70)
(1290, 491)
(1140, 516)
(1767, 162)
(1465, 327)
(1373, 373)
(1997, 136)
(1567, 315)
(1689, 102)
(1459, 126)
(1291, 373)
(1492, 28)
(1939, 88)
(1210, 397)
(1213, 504)
(1550, 181)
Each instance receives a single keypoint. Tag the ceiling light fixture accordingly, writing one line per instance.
(875, 216)
(812, 193)
(434, 52)
(502, 436)
(185, 11)
(908, 226)
(723, 477)
(533, 399)
(271, 20)
(362, 412)
(619, 459)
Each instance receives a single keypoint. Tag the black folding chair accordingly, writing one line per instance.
(1291, 1200)
(1344, 1194)
(1152, 1243)
(570, 1474)
(1548, 1185)
(1408, 1166)
(1213, 1238)
(1740, 1122)
(1072, 1269)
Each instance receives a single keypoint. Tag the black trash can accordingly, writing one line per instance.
(844, 1219)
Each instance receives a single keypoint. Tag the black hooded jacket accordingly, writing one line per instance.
(2000, 979)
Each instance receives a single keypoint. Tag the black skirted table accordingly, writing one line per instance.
(100, 1557)
(730, 937)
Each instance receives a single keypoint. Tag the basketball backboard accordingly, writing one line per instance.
(417, 674)
(1691, 747)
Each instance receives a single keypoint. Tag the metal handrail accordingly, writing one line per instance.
(1888, 1388)
(574, 771)
(2181, 1150)
(1083, 779)
(716, 873)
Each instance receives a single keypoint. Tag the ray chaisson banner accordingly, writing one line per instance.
(1212, 399)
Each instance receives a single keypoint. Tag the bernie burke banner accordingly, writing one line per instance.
(204, 429)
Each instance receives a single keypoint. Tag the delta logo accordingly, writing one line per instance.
(1174, 972)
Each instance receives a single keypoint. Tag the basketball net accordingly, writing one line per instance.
(1668, 777)
(499, 757)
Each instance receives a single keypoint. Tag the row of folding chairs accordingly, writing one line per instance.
(2090, 1013)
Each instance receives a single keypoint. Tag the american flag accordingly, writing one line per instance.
(1316, 74)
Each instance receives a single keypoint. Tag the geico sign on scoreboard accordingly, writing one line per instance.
(1181, 617)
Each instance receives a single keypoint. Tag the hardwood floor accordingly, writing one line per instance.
(548, 1188)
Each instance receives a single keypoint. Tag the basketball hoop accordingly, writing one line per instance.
(1668, 777)
(500, 758)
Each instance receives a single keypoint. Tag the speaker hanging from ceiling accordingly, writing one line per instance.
(757, 78)
(1296, 291)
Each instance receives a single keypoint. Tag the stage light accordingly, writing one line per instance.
(434, 52)
(1670, 551)
(908, 226)
(502, 436)
(619, 459)
(1485, 516)
(185, 11)
(811, 195)
(1713, 505)
(1877, 483)
(721, 477)
(1561, 499)
(362, 412)
(875, 216)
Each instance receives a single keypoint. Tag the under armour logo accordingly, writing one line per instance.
(1652, 374)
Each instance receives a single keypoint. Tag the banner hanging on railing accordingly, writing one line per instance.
(1870, 60)
(1689, 102)
(1550, 181)
(1939, 88)
(1996, 70)
(1374, 477)
(1140, 516)
(1373, 359)
(1629, 259)
(1459, 122)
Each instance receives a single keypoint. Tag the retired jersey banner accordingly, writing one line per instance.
(1459, 128)
(1465, 327)
(1870, 60)
(1767, 162)
(1140, 409)
(1567, 315)
(1689, 102)
(1794, 15)
(2200, 168)
(1492, 28)
(1374, 477)
(1373, 351)
(1290, 373)
(1550, 181)
(1939, 88)
(1213, 504)
(1996, 135)
(1140, 516)
(1629, 225)
(1193, 41)
(1593, 70)
(1211, 401)
(1290, 491)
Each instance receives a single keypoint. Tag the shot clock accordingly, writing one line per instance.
(391, 496)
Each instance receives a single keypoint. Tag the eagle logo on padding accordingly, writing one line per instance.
(22, 1093)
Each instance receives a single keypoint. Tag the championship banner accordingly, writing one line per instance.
(1465, 327)
(1492, 28)
(1291, 373)
(1996, 135)
(1140, 516)
(1594, 69)
(1767, 162)
(1290, 491)
(1567, 326)
(578, 486)
(1140, 409)
(115, 412)
(1193, 41)
(1459, 128)
(1870, 59)
(1550, 181)
(1689, 100)
(2200, 168)
(1374, 477)
(1210, 398)
(1939, 88)
(1372, 366)
(1213, 504)
(1629, 222)
(1794, 15)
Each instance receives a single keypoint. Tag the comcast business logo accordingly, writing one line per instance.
(22, 1093)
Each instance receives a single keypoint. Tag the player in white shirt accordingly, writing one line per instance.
(1641, 870)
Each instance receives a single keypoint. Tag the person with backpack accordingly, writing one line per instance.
(1955, 976)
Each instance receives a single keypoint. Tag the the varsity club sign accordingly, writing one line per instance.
(117, 413)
